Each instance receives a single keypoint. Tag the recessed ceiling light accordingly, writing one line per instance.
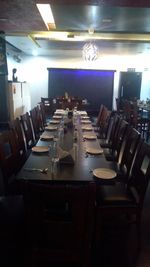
(35, 53)
(106, 20)
(47, 15)
(3, 19)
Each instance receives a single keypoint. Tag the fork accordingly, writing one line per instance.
(44, 170)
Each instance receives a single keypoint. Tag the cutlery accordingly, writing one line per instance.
(44, 170)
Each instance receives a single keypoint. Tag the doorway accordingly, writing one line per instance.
(130, 85)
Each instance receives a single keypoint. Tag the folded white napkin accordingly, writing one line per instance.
(66, 157)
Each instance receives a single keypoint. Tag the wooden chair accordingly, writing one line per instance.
(113, 127)
(112, 154)
(98, 119)
(140, 122)
(43, 115)
(127, 152)
(36, 119)
(28, 130)
(120, 201)
(102, 123)
(119, 106)
(60, 221)
(41, 125)
(127, 110)
(10, 159)
(48, 106)
(16, 126)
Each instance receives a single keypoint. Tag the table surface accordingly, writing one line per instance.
(80, 171)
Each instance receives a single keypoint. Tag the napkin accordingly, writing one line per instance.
(65, 157)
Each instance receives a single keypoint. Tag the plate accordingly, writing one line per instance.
(46, 137)
(85, 117)
(40, 149)
(57, 117)
(85, 121)
(94, 151)
(104, 173)
(83, 113)
(54, 122)
(50, 128)
(87, 128)
(89, 137)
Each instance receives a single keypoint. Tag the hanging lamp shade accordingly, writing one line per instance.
(90, 52)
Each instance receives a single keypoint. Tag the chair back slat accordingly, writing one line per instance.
(28, 130)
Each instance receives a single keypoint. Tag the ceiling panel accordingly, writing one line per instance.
(119, 26)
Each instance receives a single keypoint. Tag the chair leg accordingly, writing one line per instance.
(138, 226)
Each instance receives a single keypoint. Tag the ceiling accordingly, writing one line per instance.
(119, 27)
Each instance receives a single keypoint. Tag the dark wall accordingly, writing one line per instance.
(3, 99)
(3, 80)
(94, 85)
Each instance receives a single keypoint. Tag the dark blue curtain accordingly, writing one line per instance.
(94, 85)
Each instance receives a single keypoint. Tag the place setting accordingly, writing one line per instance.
(45, 137)
(85, 121)
(85, 117)
(57, 117)
(93, 151)
(54, 122)
(51, 128)
(40, 149)
(59, 112)
(89, 137)
(104, 173)
(87, 128)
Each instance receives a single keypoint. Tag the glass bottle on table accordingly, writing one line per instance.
(55, 155)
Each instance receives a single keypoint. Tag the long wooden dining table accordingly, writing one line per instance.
(78, 147)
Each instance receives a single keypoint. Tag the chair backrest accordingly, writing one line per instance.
(28, 130)
(36, 120)
(103, 120)
(42, 109)
(60, 218)
(48, 105)
(139, 179)
(8, 155)
(118, 105)
(127, 109)
(99, 115)
(119, 138)
(115, 129)
(17, 127)
(39, 118)
(128, 150)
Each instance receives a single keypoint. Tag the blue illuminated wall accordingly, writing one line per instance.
(95, 85)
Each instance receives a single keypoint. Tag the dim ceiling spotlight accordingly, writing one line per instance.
(90, 52)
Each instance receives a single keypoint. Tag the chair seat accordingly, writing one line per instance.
(105, 143)
(115, 195)
(11, 210)
(108, 152)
